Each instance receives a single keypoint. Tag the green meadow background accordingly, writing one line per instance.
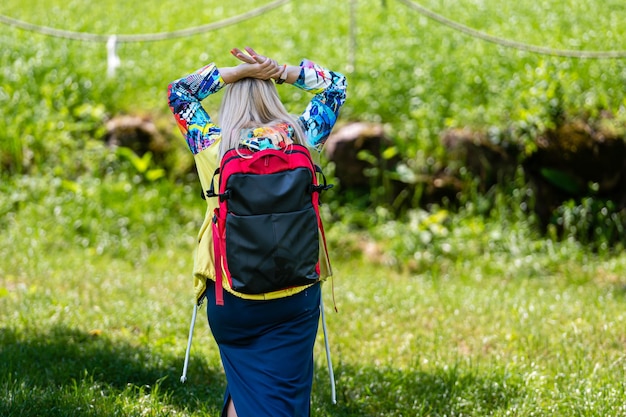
(467, 312)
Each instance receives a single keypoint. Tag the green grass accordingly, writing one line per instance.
(485, 319)
(465, 314)
(411, 73)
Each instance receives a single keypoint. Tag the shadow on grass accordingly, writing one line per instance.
(454, 391)
(66, 372)
(55, 374)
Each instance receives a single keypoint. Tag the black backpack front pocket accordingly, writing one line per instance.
(270, 252)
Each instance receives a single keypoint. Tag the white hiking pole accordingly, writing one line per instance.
(183, 377)
(333, 392)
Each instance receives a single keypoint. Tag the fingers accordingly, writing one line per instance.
(236, 52)
(277, 70)
(251, 58)
(269, 64)
(250, 51)
(258, 58)
(262, 67)
(268, 69)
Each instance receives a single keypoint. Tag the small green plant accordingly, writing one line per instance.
(142, 164)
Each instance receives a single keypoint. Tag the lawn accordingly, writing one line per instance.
(492, 320)
(466, 313)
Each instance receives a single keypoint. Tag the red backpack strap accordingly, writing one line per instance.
(217, 260)
(219, 256)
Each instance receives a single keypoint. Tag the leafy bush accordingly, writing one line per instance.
(409, 72)
(415, 75)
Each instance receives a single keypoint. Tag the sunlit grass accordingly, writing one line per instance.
(409, 72)
(500, 323)
(465, 314)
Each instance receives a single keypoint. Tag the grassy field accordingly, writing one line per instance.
(487, 319)
(443, 314)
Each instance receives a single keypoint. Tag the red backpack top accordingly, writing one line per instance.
(267, 229)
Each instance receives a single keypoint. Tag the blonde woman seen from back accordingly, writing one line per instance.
(265, 340)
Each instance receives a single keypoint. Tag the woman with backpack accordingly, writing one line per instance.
(265, 339)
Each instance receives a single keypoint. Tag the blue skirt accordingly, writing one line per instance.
(266, 349)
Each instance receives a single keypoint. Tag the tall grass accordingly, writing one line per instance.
(410, 72)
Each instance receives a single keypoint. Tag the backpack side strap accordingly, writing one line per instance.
(211, 191)
(320, 187)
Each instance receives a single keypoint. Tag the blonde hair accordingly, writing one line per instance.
(250, 103)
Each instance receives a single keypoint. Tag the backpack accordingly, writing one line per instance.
(267, 230)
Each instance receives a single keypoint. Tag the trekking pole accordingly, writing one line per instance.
(183, 377)
(333, 393)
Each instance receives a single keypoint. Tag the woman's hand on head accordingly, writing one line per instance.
(250, 58)
(257, 66)
(237, 53)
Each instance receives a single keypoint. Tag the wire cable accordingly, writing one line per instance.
(148, 37)
(581, 54)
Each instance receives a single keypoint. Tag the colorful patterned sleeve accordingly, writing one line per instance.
(184, 97)
(321, 113)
